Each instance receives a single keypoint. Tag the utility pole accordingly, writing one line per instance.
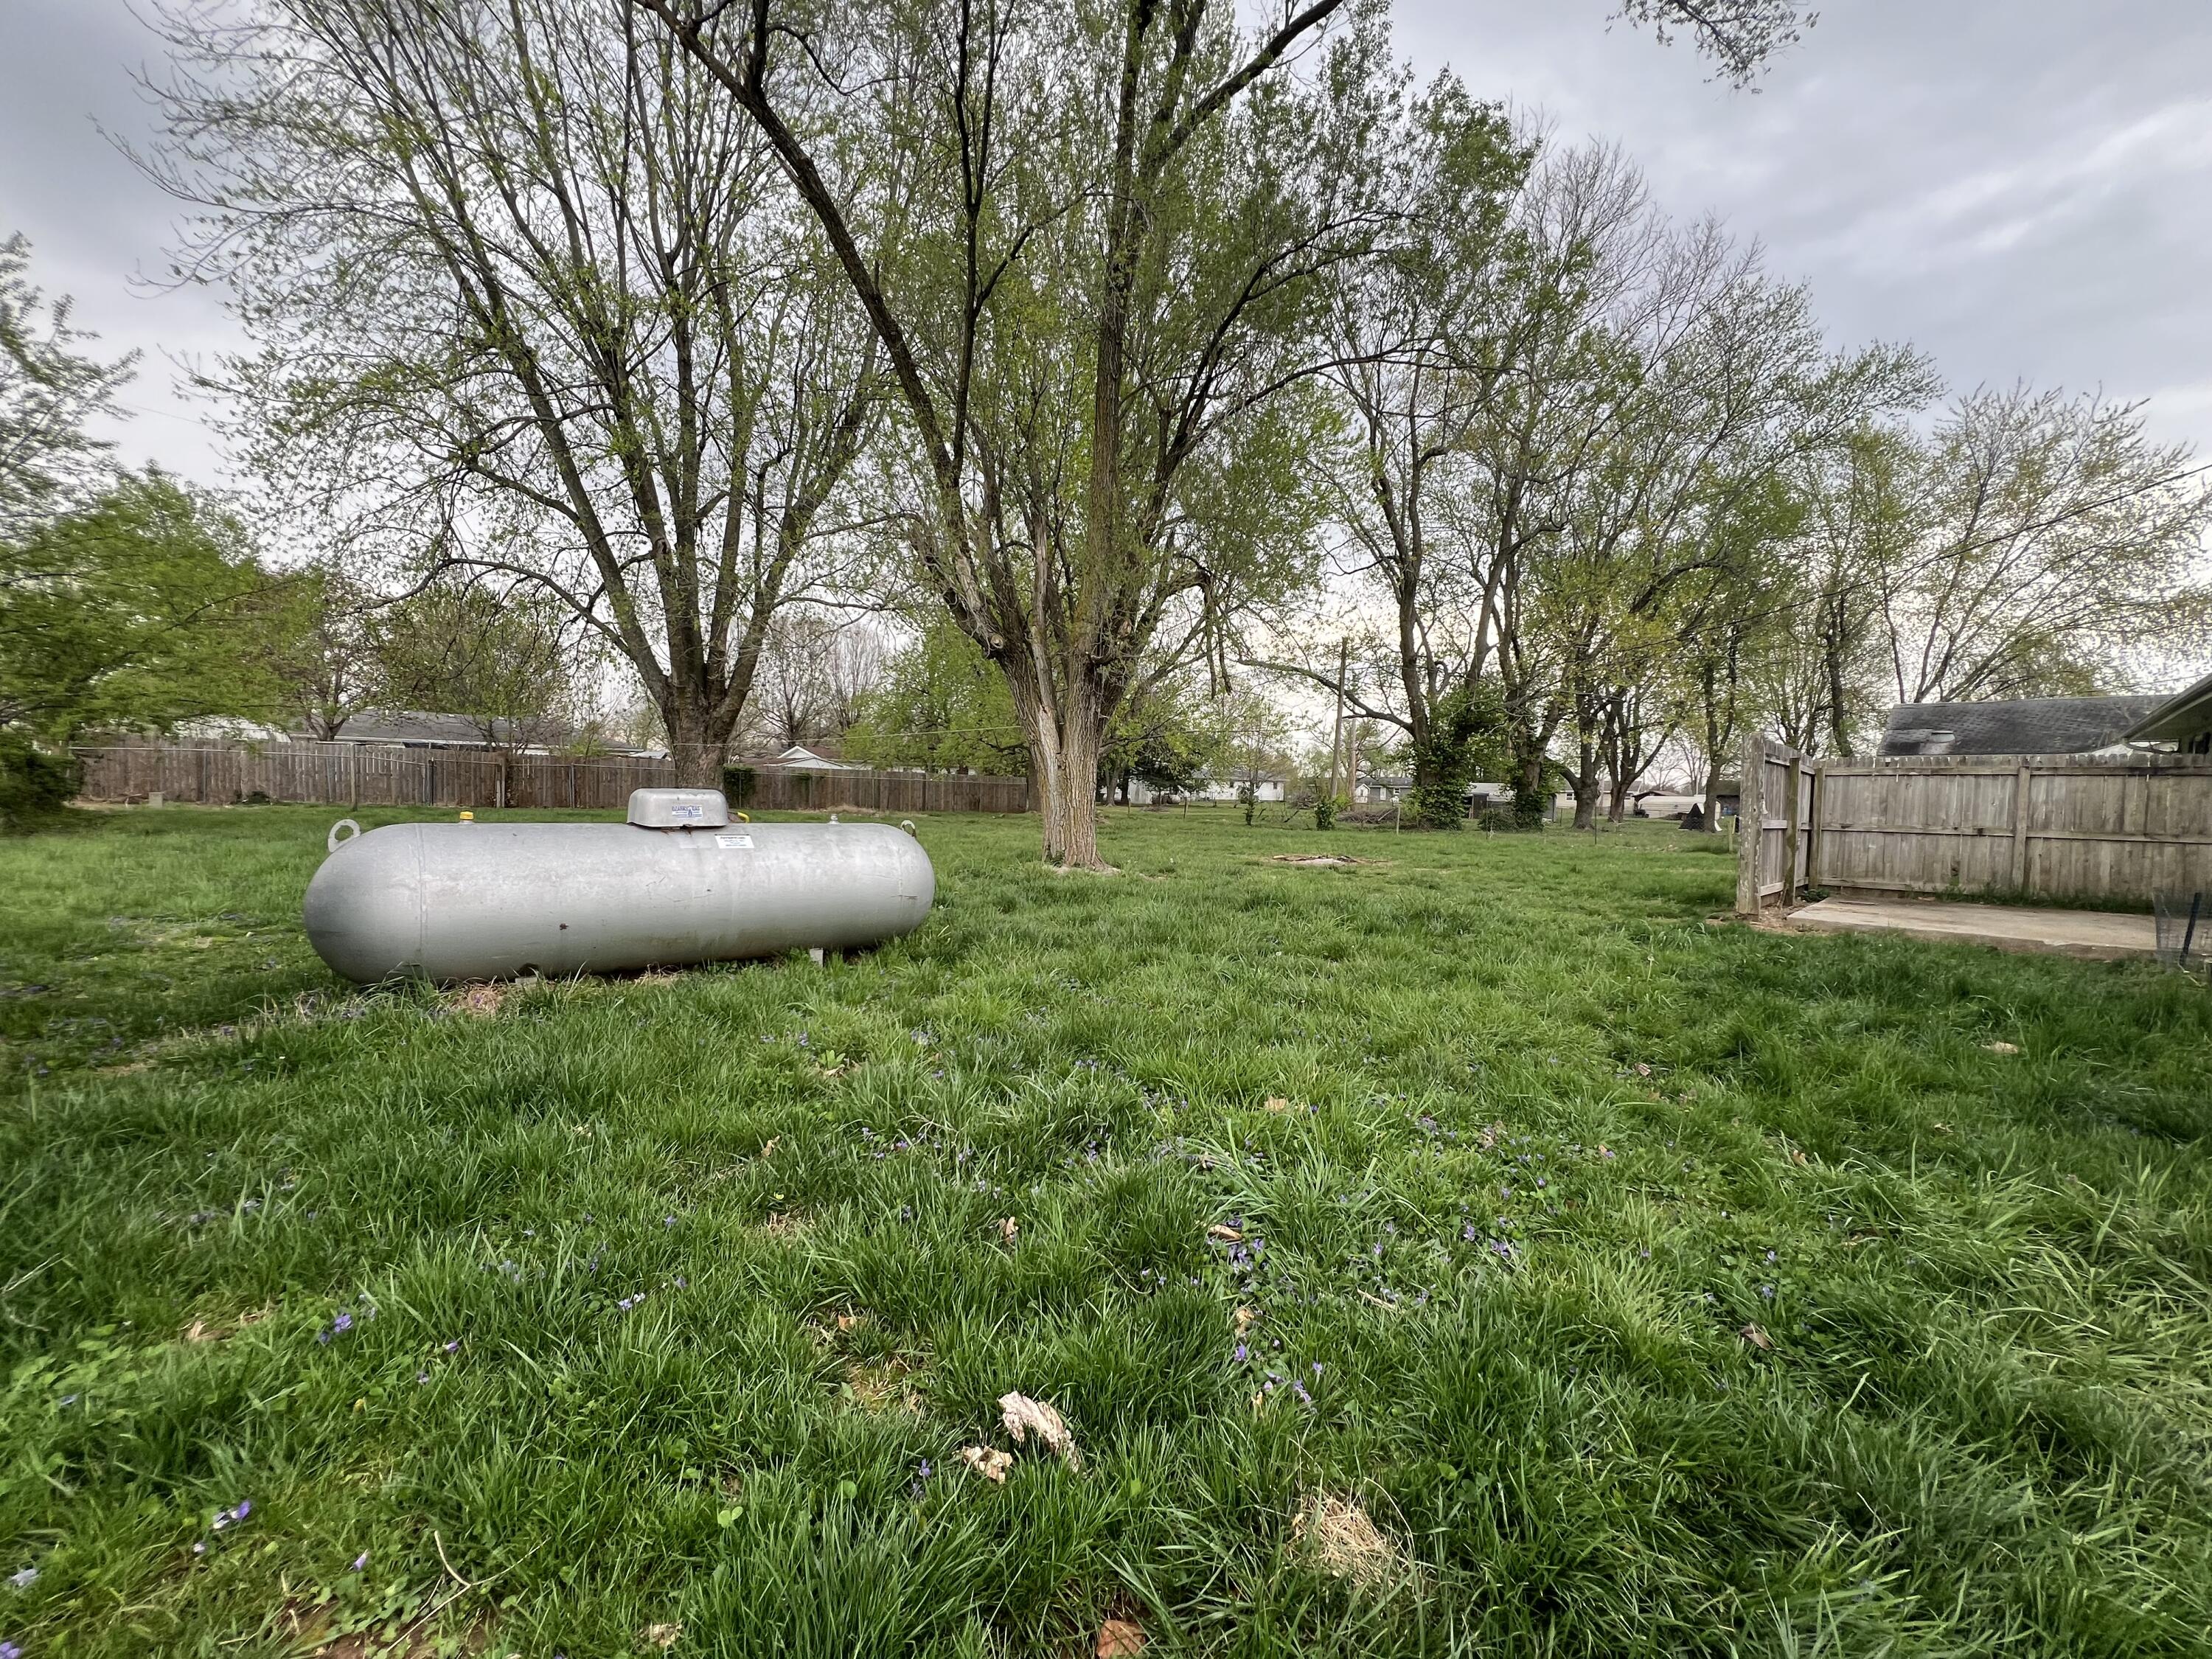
(1336, 735)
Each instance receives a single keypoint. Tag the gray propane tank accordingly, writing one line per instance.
(678, 883)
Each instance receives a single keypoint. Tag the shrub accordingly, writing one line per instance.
(35, 786)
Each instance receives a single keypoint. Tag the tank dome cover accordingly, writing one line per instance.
(679, 809)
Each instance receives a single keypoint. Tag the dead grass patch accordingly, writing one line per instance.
(1340, 1538)
(1326, 861)
(482, 1001)
(215, 1328)
(883, 1386)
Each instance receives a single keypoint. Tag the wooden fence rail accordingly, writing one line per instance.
(366, 774)
(2026, 826)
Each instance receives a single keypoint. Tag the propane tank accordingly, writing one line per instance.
(678, 883)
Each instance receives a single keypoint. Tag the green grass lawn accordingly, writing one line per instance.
(1609, 1282)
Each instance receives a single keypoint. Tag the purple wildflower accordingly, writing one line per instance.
(360, 1561)
(9, 1650)
(1243, 1353)
(23, 1580)
(453, 1346)
(1300, 1389)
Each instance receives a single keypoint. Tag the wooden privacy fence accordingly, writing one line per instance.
(777, 789)
(2025, 826)
(370, 775)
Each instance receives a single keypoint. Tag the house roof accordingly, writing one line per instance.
(799, 758)
(2023, 726)
(2185, 715)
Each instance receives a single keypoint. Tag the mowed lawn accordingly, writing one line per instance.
(1473, 1250)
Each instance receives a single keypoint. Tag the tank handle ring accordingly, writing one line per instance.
(336, 839)
(907, 825)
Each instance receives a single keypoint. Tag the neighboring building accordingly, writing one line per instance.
(799, 758)
(229, 728)
(1669, 803)
(1265, 786)
(1381, 787)
(2022, 725)
(2184, 719)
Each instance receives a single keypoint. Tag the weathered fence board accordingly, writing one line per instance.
(1775, 832)
(784, 790)
(2029, 826)
(366, 775)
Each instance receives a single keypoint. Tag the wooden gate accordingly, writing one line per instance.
(1775, 836)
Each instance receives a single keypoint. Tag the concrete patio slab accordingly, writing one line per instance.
(2096, 935)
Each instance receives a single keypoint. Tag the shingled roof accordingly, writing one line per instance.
(2185, 719)
(2025, 726)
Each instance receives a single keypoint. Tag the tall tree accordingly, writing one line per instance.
(142, 607)
(2057, 544)
(531, 303)
(1087, 241)
(49, 389)
(323, 652)
(505, 660)
(941, 705)
(1087, 246)
(1422, 336)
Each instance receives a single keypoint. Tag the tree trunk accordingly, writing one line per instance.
(698, 749)
(1586, 786)
(1064, 740)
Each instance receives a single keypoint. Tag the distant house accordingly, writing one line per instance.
(2022, 725)
(1484, 796)
(1667, 803)
(1266, 786)
(799, 758)
(2184, 719)
(1382, 786)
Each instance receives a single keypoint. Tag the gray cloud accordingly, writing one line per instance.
(2018, 186)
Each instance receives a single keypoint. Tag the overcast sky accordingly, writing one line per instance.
(2019, 187)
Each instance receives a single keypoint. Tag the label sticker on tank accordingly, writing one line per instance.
(745, 841)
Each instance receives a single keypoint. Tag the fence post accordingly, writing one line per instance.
(1750, 827)
(1793, 779)
(1813, 826)
(2019, 829)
